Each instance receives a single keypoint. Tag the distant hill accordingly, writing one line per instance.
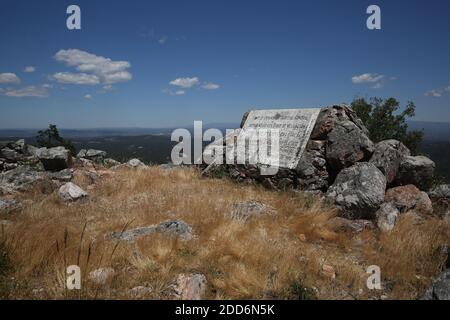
(435, 131)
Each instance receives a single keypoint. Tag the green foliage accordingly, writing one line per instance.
(300, 292)
(384, 120)
(50, 138)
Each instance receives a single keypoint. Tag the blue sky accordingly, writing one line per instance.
(168, 63)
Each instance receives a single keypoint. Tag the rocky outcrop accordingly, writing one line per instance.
(55, 159)
(23, 178)
(388, 156)
(440, 288)
(418, 171)
(409, 197)
(71, 192)
(358, 191)
(311, 171)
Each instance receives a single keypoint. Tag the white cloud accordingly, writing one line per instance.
(76, 78)
(104, 69)
(185, 82)
(29, 69)
(108, 87)
(88, 96)
(163, 39)
(434, 93)
(377, 85)
(367, 78)
(10, 78)
(180, 92)
(447, 89)
(30, 91)
(210, 86)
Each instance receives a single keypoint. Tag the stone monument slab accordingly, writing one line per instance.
(294, 126)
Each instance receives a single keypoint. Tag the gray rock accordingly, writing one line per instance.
(95, 155)
(340, 224)
(19, 146)
(243, 211)
(388, 156)
(418, 171)
(62, 176)
(346, 145)
(177, 228)
(135, 163)
(386, 216)
(189, 287)
(312, 171)
(54, 159)
(440, 192)
(440, 288)
(108, 162)
(71, 192)
(358, 191)
(10, 155)
(9, 205)
(20, 179)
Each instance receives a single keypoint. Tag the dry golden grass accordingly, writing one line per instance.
(272, 256)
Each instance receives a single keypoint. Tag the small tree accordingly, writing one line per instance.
(384, 120)
(50, 138)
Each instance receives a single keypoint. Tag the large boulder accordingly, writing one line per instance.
(189, 286)
(71, 192)
(330, 116)
(418, 171)
(22, 178)
(55, 159)
(358, 191)
(409, 197)
(440, 288)
(10, 155)
(388, 156)
(346, 145)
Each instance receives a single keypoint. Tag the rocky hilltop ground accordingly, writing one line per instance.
(140, 231)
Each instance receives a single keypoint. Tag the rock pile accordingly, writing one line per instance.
(359, 176)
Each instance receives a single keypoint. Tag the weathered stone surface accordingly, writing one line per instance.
(388, 156)
(332, 115)
(294, 125)
(10, 155)
(177, 228)
(102, 275)
(190, 287)
(54, 159)
(409, 197)
(386, 216)
(358, 191)
(9, 205)
(312, 170)
(346, 145)
(95, 155)
(243, 211)
(108, 162)
(136, 164)
(440, 288)
(62, 176)
(20, 179)
(418, 171)
(440, 192)
(71, 192)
